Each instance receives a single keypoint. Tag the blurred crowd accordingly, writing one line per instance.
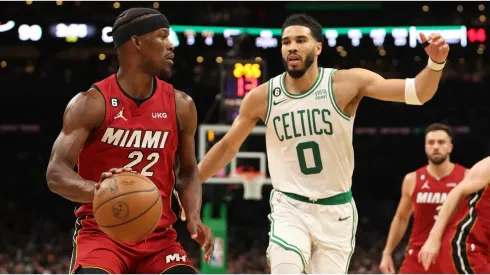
(30, 245)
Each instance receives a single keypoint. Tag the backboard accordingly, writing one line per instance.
(254, 159)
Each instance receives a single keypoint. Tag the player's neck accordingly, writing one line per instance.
(304, 83)
(135, 83)
(442, 170)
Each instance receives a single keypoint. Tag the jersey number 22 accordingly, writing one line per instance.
(137, 157)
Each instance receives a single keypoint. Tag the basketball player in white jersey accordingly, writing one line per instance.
(309, 113)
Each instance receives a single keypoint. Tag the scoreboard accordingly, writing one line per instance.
(239, 77)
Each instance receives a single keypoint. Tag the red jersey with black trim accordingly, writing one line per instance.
(469, 231)
(427, 198)
(143, 137)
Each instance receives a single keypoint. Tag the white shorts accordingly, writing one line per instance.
(322, 235)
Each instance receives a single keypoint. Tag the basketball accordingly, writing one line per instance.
(127, 206)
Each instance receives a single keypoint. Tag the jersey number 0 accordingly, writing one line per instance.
(317, 166)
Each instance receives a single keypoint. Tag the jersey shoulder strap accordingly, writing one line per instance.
(275, 95)
(420, 178)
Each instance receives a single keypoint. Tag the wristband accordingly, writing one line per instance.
(437, 67)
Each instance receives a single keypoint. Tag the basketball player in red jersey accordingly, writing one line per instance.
(132, 120)
(423, 192)
(463, 242)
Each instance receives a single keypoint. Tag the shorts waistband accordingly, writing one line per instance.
(341, 198)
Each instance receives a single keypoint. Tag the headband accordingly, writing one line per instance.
(139, 27)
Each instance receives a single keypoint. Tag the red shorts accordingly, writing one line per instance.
(154, 255)
(411, 263)
(460, 257)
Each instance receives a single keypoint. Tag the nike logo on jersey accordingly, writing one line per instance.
(431, 197)
(426, 185)
(343, 219)
(279, 102)
(135, 138)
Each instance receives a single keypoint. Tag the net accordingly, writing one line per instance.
(252, 184)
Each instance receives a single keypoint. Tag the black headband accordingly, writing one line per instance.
(139, 27)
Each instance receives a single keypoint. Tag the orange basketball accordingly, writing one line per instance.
(127, 206)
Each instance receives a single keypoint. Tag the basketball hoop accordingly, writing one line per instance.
(252, 184)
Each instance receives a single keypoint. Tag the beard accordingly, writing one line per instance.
(297, 73)
(438, 160)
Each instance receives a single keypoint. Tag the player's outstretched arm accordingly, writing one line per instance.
(187, 181)
(84, 113)
(399, 224)
(476, 179)
(411, 91)
(253, 107)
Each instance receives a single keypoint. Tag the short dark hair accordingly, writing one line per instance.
(131, 15)
(439, 127)
(305, 21)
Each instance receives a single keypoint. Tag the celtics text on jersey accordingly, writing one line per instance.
(309, 139)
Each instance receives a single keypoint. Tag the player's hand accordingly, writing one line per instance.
(437, 49)
(428, 252)
(386, 266)
(203, 235)
(109, 174)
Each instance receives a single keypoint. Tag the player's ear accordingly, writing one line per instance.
(136, 42)
(319, 47)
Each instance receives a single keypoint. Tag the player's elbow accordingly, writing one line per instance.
(51, 176)
(426, 92)
(427, 96)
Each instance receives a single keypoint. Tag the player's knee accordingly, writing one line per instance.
(90, 270)
(283, 261)
(180, 269)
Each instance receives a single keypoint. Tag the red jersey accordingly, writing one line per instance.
(472, 222)
(464, 247)
(143, 137)
(427, 198)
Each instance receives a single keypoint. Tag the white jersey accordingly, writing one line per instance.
(309, 140)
